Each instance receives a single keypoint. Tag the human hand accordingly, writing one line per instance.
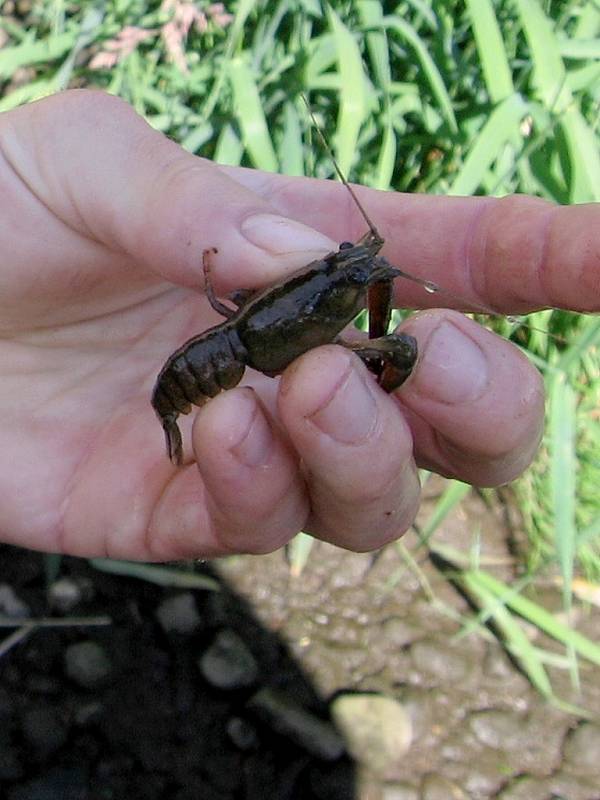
(102, 229)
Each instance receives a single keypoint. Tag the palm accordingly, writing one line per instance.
(100, 224)
(75, 402)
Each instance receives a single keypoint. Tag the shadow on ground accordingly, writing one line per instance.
(176, 698)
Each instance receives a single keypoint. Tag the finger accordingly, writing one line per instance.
(474, 402)
(512, 254)
(355, 447)
(252, 497)
(112, 178)
(243, 493)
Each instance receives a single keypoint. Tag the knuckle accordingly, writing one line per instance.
(366, 528)
(96, 108)
(371, 484)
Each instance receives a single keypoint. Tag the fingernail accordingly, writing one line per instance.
(279, 235)
(453, 367)
(349, 414)
(251, 435)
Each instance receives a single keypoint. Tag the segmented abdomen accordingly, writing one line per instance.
(200, 369)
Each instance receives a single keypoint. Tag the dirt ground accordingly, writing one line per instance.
(232, 691)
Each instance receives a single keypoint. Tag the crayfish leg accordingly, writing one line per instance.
(379, 303)
(218, 306)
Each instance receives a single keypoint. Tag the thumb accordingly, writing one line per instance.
(113, 178)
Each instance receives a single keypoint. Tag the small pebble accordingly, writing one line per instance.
(582, 749)
(242, 734)
(179, 614)
(378, 729)
(44, 729)
(228, 663)
(87, 664)
(10, 604)
(64, 595)
(284, 716)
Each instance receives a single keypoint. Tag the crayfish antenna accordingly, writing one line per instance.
(373, 230)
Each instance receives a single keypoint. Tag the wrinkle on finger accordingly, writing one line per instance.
(262, 532)
(115, 180)
(324, 205)
(481, 470)
(511, 254)
(375, 515)
(483, 436)
(180, 526)
(531, 253)
(507, 253)
(571, 267)
(436, 453)
(355, 448)
(256, 496)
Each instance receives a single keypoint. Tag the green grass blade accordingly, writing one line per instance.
(541, 618)
(500, 129)
(371, 16)
(31, 52)
(162, 576)
(353, 93)
(198, 137)
(514, 636)
(298, 552)
(430, 70)
(584, 156)
(26, 93)
(291, 148)
(451, 497)
(587, 338)
(584, 78)
(530, 658)
(90, 26)
(548, 69)
(583, 49)
(322, 57)
(490, 47)
(234, 37)
(387, 157)
(563, 471)
(250, 115)
(423, 7)
(588, 21)
(229, 149)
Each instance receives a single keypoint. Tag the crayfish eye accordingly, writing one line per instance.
(346, 245)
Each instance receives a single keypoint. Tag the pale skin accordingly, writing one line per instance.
(102, 228)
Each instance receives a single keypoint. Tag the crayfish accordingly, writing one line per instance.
(273, 327)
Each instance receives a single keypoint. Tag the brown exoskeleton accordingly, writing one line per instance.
(273, 327)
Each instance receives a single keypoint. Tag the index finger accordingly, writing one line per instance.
(512, 254)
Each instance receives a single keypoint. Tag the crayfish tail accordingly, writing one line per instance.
(174, 441)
